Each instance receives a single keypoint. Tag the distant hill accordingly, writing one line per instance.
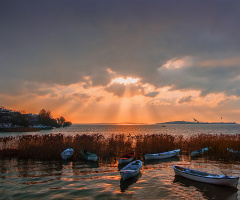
(185, 122)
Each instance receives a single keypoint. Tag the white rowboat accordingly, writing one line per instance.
(206, 177)
(131, 170)
(67, 154)
(167, 154)
(199, 152)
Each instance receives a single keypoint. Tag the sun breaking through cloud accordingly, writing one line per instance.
(125, 81)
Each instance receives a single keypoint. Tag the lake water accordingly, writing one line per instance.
(28, 179)
(107, 130)
(79, 180)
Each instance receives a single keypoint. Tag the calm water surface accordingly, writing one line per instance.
(173, 129)
(21, 179)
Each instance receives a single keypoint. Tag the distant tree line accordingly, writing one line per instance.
(45, 118)
(16, 118)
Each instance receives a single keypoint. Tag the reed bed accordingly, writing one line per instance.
(154, 143)
(49, 147)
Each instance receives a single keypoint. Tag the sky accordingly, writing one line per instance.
(115, 61)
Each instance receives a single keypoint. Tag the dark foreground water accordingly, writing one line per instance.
(81, 180)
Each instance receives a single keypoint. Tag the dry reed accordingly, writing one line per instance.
(49, 147)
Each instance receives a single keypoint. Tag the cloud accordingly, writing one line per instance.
(81, 96)
(71, 41)
(185, 99)
(125, 90)
(73, 50)
(152, 94)
(205, 78)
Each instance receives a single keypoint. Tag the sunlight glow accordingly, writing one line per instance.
(178, 63)
(125, 81)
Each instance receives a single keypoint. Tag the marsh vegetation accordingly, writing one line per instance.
(49, 147)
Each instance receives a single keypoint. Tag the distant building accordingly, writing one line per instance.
(33, 119)
(4, 110)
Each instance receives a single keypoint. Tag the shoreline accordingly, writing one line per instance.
(186, 122)
(20, 129)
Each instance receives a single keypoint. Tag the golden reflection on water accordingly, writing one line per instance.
(124, 184)
(78, 179)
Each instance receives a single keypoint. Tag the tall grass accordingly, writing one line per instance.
(154, 143)
(49, 147)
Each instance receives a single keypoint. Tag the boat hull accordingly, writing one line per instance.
(129, 175)
(89, 156)
(200, 152)
(131, 170)
(67, 154)
(123, 161)
(92, 158)
(208, 178)
(162, 155)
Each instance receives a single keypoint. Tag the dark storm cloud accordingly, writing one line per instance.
(206, 79)
(60, 42)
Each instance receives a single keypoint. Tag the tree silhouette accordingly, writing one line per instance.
(61, 120)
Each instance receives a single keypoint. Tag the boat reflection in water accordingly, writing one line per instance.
(85, 167)
(124, 184)
(208, 190)
(150, 162)
(120, 166)
(91, 164)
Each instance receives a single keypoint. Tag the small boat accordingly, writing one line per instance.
(233, 151)
(89, 156)
(206, 177)
(126, 158)
(167, 154)
(200, 152)
(131, 170)
(67, 153)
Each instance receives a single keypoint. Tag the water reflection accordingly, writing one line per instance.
(120, 166)
(150, 162)
(28, 179)
(66, 162)
(84, 167)
(30, 168)
(91, 164)
(124, 184)
(208, 191)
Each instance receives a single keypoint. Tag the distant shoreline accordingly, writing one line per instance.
(185, 122)
(19, 129)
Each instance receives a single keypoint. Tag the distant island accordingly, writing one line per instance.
(196, 122)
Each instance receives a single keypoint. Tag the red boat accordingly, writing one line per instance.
(126, 158)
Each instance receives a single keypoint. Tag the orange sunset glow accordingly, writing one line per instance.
(124, 99)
